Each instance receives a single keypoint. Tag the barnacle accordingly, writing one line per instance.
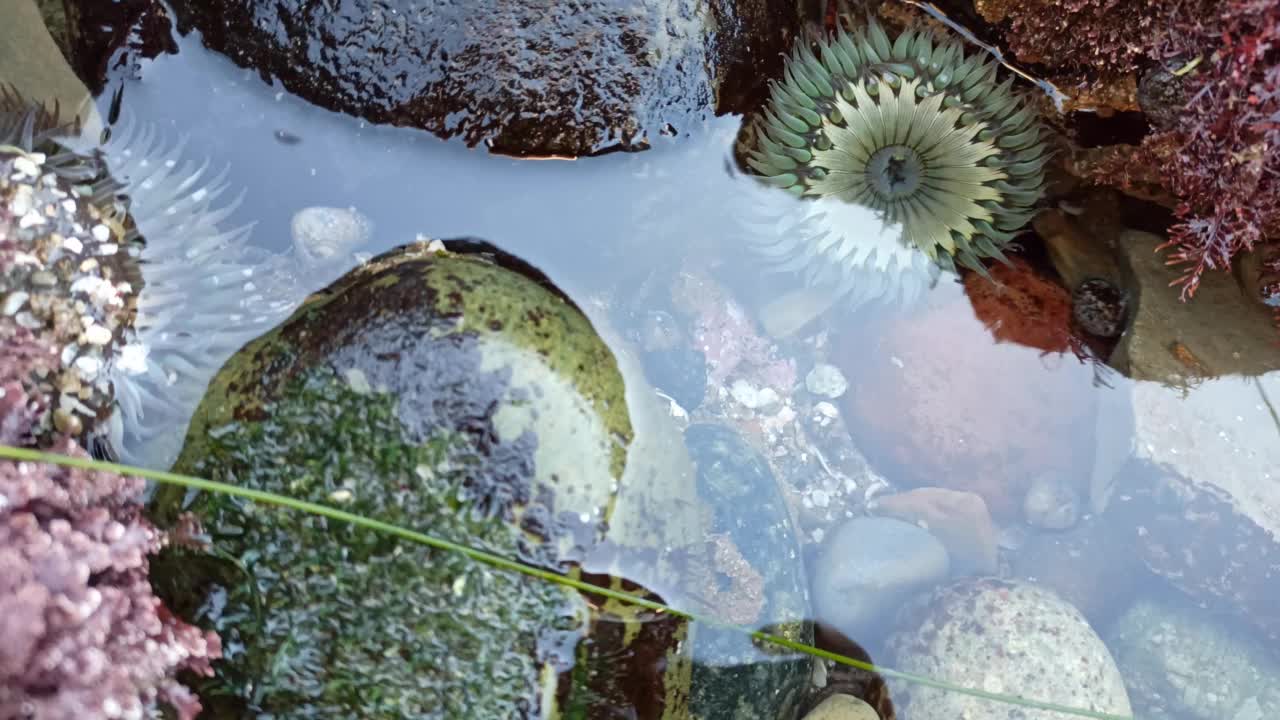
(913, 130)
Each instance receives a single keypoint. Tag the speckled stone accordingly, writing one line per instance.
(826, 381)
(327, 234)
(1180, 662)
(1005, 637)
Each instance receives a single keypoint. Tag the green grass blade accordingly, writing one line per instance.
(195, 483)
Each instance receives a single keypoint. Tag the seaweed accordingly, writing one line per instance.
(1225, 171)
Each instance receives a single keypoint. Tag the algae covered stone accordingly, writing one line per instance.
(458, 395)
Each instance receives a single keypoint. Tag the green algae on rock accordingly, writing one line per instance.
(462, 343)
(324, 620)
(461, 395)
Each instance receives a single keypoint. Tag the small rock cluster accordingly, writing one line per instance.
(782, 399)
(65, 275)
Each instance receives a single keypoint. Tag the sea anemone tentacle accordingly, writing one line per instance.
(913, 129)
(203, 293)
(195, 291)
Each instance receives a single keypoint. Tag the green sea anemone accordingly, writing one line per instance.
(912, 129)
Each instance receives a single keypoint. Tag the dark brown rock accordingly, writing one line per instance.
(526, 78)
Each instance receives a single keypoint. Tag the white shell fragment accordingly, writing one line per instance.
(326, 234)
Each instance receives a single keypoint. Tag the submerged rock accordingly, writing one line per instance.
(323, 235)
(1180, 662)
(959, 519)
(938, 401)
(1094, 566)
(440, 392)
(842, 707)
(525, 78)
(459, 393)
(1203, 504)
(1053, 502)
(1003, 637)
(734, 677)
(868, 568)
(1207, 518)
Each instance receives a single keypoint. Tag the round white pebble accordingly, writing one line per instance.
(826, 381)
(321, 234)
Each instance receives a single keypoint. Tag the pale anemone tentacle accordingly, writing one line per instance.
(910, 130)
(203, 294)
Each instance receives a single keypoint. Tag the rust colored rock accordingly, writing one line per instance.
(936, 401)
(1019, 305)
(959, 519)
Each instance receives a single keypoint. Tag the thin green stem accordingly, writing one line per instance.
(169, 478)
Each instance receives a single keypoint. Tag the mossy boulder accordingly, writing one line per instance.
(458, 393)
(455, 394)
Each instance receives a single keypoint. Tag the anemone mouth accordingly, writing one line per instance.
(894, 173)
(912, 128)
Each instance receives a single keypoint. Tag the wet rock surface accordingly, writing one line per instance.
(1082, 247)
(540, 78)
(751, 513)
(1181, 662)
(1003, 637)
(1205, 513)
(681, 373)
(1215, 535)
(1094, 566)
(1053, 502)
(959, 519)
(842, 707)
